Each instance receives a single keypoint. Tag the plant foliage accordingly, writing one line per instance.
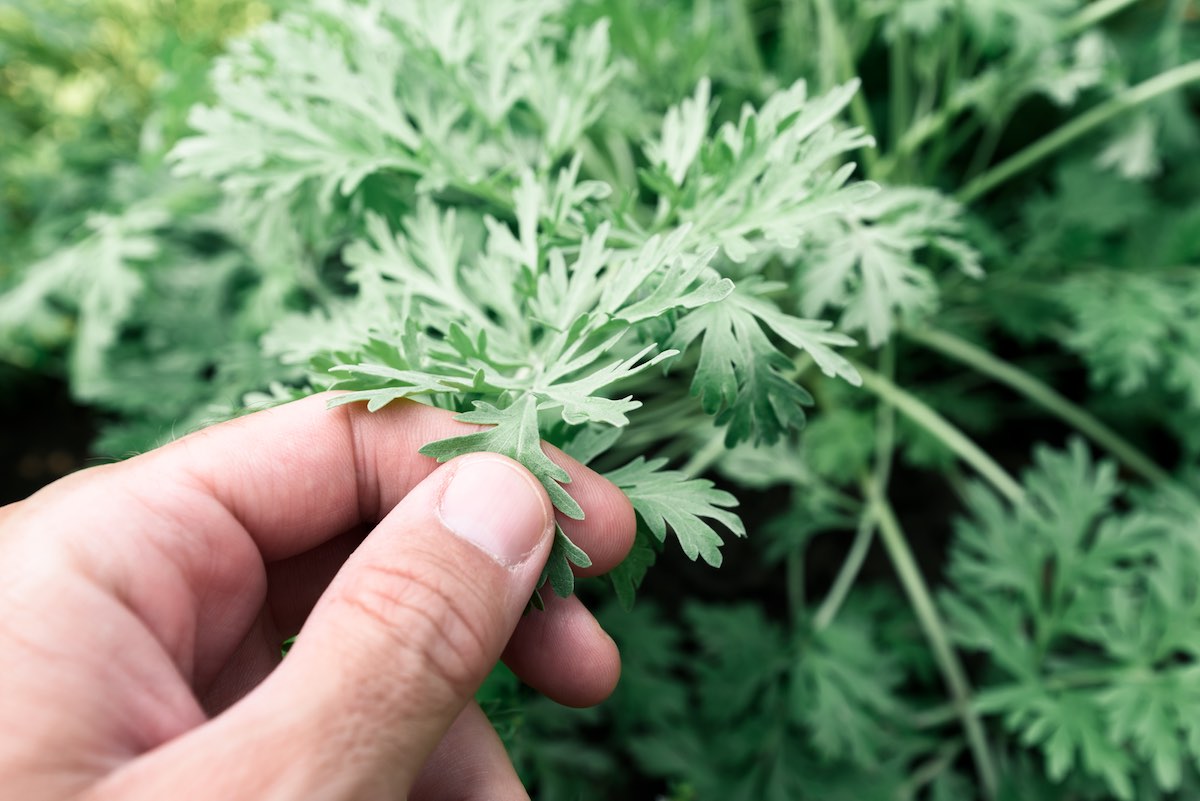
(817, 273)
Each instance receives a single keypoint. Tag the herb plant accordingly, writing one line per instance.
(900, 290)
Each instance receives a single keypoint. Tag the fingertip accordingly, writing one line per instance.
(606, 533)
(564, 653)
(420, 612)
(469, 764)
(607, 530)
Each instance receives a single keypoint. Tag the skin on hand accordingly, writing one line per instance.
(143, 605)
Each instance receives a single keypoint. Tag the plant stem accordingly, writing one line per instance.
(1093, 14)
(900, 102)
(1043, 395)
(953, 41)
(743, 29)
(930, 125)
(928, 772)
(935, 632)
(992, 700)
(795, 32)
(986, 148)
(923, 415)
(1078, 127)
(705, 457)
(848, 573)
(885, 423)
(885, 441)
(927, 126)
(1171, 36)
(832, 32)
(795, 584)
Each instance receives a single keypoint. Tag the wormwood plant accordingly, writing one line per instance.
(849, 263)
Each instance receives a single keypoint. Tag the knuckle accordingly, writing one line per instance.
(423, 619)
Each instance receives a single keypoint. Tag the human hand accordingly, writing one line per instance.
(143, 605)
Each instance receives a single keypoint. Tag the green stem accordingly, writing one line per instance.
(1080, 126)
(930, 125)
(1093, 14)
(1043, 395)
(794, 35)
(848, 573)
(832, 32)
(623, 162)
(885, 423)
(743, 29)
(900, 102)
(972, 90)
(933, 161)
(954, 44)
(986, 148)
(885, 441)
(928, 772)
(658, 425)
(795, 584)
(991, 700)
(924, 416)
(935, 632)
(1171, 36)
(705, 457)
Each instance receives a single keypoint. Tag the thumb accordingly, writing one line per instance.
(420, 614)
(397, 645)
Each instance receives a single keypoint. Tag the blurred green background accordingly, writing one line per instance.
(87, 87)
(92, 95)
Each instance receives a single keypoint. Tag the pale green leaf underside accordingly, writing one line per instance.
(513, 432)
(668, 499)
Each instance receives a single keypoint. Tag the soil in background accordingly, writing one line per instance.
(45, 435)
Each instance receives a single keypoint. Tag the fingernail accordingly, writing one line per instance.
(497, 506)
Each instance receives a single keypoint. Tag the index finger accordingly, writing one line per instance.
(296, 475)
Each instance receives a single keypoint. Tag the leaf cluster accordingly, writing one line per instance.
(777, 253)
(1088, 614)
